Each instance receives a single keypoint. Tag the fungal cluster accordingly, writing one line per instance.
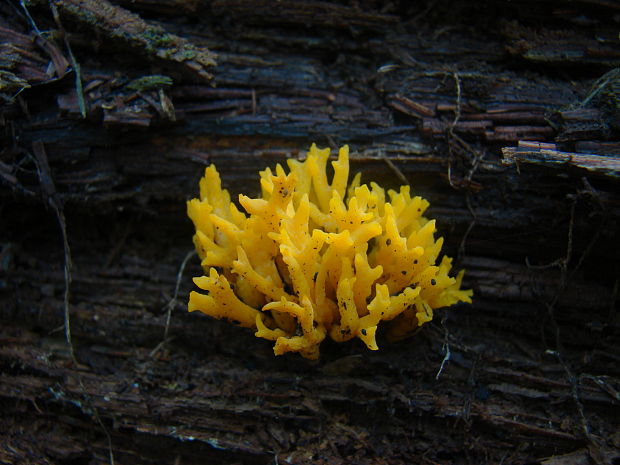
(313, 258)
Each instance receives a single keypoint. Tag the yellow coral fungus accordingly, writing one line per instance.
(313, 258)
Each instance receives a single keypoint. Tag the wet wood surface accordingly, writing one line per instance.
(504, 115)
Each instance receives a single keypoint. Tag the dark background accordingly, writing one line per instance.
(451, 97)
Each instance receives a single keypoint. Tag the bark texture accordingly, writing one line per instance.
(504, 115)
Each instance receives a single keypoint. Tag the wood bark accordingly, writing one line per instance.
(504, 115)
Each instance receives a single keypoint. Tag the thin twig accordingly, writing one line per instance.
(33, 25)
(68, 267)
(476, 162)
(170, 305)
(446, 345)
(464, 145)
(76, 66)
(574, 391)
(457, 111)
(51, 197)
(159, 346)
(461, 250)
(600, 84)
(399, 174)
(565, 277)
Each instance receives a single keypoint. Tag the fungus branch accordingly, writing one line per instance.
(317, 257)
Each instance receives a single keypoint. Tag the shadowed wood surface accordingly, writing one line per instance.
(504, 115)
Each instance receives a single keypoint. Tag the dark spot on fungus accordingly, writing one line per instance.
(364, 331)
(415, 262)
(403, 272)
(433, 282)
(388, 242)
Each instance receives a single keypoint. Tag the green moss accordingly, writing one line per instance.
(154, 81)
(157, 38)
(186, 54)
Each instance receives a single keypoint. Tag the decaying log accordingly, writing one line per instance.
(504, 116)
